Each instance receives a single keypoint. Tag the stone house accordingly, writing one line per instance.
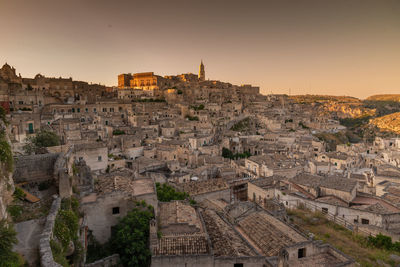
(94, 154)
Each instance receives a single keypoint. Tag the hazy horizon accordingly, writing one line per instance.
(308, 47)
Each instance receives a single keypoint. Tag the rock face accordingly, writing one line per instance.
(6, 191)
(348, 110)
(6, 181)
(389, 122)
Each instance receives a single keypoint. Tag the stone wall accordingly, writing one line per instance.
(35, 168)
(224, 194)
(46, 255)
(109, 261)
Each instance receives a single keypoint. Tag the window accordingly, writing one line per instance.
(301, 253)
(86, 110)
(21, 102)
(78, 110)
(104, 109)
(364, 221)
(73, 110)
(95, 110)
(99, 158)
(238, 265)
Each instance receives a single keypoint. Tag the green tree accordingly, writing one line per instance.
(226, 153)
(42, 139)
(46, 139)
(130, 237)
(7, 240)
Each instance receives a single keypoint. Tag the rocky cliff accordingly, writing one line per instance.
(6, 165)
(389, 122)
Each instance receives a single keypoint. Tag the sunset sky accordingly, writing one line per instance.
(340, 47)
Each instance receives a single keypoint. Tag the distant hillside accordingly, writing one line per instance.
(387, 97)
(389, 122)
(324, 98)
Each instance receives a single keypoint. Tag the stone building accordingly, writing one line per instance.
(113, 198)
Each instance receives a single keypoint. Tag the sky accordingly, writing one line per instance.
(337, 47)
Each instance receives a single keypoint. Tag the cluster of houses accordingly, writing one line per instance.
(232, 149)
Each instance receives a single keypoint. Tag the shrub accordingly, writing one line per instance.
(199, 107)
(19, 193)
(381, 241)
(15, 211)
(118, 132)
(192, 118)
(241, 125)
(167, 193)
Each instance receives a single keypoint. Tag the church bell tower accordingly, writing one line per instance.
(202, 73)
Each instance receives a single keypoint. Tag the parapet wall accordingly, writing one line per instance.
(109, 261)
(46, 255)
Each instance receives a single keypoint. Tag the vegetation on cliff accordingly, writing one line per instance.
(6, 156)
(7, 240)
(389, 123)
(3, 115)
(383, 107)
(5, 149)
(65, 231)
(306, 99)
